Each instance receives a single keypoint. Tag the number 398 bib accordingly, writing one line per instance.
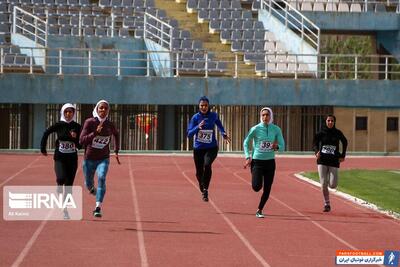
(205, 136)
(266, 146)
(100, 141)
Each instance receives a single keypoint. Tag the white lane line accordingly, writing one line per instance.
(20, 171)
(350, 200)
(35, 235)
(142, 247)
(301, 214)
(296, 211)
(229, 222)
(30, 243)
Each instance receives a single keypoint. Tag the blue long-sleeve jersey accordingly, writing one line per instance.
(204, 138)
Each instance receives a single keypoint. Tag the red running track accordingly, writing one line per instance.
(154, 216)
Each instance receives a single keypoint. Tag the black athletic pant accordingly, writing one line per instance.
(263, 172)
(65, 173)
(203, 159)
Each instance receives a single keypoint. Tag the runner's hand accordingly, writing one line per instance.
(247, 163)
(117, 157)
(227, 138)
(201, 124)
(275, 146)
(99, 127)
(73, 134)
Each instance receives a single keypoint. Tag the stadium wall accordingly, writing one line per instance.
(52, 89)
(355, 22)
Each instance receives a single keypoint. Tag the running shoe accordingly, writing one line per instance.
(66, 214)
(97, 212)
(327, 208)
(205, 195)
(93, 191)
(201, 187)
(59, 189)
(259, 214)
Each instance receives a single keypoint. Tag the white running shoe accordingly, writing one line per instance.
(259, 214)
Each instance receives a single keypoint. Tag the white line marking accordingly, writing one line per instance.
(229, 222)
(20, 171)
(306, 217)
(142, 247)
(30, 243)
(360, 203)
(296, 211)
(35, 235)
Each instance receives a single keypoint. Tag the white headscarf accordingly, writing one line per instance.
(64, 107)
(271, 114)
(96, 115)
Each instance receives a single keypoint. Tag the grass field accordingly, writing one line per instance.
(380, 187)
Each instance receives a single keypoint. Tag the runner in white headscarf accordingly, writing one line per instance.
(103, 114)
(95, 137)
(266, 138)
(65, 154)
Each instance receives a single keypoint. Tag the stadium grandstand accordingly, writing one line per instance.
(153, 59)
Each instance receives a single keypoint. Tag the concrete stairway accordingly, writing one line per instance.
(199, 31)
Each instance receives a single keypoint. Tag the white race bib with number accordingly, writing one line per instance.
(328, 150)
(66, 147)
(100, 141)
(266, 146)
(205, 136)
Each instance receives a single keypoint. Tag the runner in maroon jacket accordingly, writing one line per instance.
(95, 137)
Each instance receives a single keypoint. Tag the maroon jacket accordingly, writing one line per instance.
(97, 146)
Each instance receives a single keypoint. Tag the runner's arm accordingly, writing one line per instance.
(87, 134)
(246, 143)
(193, 127)
(46, 134)
(281, 141)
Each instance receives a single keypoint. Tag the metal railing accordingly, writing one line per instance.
(103, 62)
(365, 5)
(30, 26)
(37, 28)
(294, 20)
(157, 30)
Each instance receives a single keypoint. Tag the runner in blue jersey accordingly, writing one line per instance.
(205, 147)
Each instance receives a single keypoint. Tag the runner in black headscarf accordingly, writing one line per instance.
(326, 148)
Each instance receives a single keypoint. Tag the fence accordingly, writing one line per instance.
(30, 25)
(142, 127)
(64, 61)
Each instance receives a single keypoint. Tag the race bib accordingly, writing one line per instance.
(66, 147)
(328, 150)
(205, 136)
(100, 141)
(266, 146)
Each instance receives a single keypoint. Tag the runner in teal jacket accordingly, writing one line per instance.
(266, 138)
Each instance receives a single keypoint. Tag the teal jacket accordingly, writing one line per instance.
(263, 137)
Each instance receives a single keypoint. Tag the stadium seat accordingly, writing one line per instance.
(355, 7)
(343, 7)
